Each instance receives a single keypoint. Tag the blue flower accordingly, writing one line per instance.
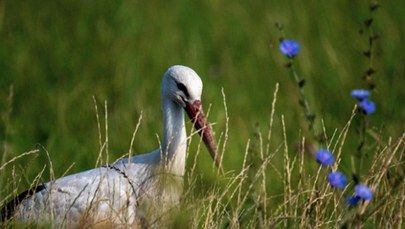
(363, 192)
(290, 48)
(337, 179)
(353, 200)
(367, 106)
(360, 94)
(324, 157)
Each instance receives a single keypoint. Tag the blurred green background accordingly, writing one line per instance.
(57, 55)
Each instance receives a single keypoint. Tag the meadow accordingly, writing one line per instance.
(59, 60)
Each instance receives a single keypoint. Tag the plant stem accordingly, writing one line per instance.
(310, 117)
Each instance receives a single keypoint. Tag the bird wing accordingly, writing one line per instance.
(101, 193)
(110, 193)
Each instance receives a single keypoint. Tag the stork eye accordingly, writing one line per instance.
(182, 88)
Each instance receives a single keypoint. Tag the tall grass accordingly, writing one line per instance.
(245, 198)
(57, 56)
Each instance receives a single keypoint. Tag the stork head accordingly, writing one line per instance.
(183, 86)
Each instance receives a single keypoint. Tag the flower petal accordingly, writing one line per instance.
(353, 200)
(360, 94)
(290, 48)
(367, 106)
(324, 157)
(337, 179)
(363, 192)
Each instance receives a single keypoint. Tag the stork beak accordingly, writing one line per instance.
(196, 113)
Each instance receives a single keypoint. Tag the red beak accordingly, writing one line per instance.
(196, 113)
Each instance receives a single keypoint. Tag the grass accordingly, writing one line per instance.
(57, 56)
(244, 198)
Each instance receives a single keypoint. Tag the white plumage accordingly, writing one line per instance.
(136, 191)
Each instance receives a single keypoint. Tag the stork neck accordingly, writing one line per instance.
(174, 138)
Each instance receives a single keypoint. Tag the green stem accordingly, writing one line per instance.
(303, 100)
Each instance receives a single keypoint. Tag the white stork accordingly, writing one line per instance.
(136, 191)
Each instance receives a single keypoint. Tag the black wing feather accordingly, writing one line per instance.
(7, 211)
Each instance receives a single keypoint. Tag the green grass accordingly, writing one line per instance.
(56, 55)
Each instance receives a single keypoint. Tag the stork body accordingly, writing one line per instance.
(133, 191)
